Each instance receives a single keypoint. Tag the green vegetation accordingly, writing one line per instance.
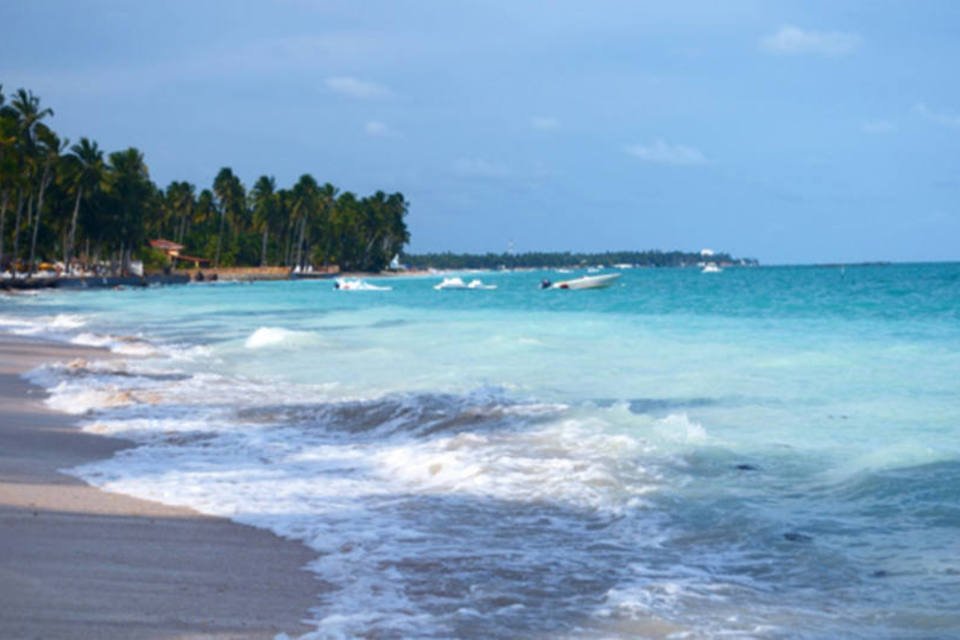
(77, 204)
(545, 260)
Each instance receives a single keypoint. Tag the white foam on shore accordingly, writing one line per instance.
(379, 505)
(127, 346)
(48, 326)
(63, 327)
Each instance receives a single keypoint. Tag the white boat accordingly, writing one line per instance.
(711, 267)
(458, 284)
(356, 284)
(586, 282)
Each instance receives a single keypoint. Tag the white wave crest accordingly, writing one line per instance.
(52, 326)
(128, 346)
(277, 336)
(678, 427)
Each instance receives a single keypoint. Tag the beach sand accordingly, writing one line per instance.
(77, 562)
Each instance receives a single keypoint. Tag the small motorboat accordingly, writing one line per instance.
(356, 284)
(458, 284)
(711, 267)
(586, 282)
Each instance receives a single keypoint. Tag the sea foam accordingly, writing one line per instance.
(276, 336)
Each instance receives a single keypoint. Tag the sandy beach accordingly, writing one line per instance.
(78, 562)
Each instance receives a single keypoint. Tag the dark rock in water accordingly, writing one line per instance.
(746, 467)
(793, 536)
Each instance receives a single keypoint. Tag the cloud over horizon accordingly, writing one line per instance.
(479, 168)
(356, 88)
(792, 40)
(661, 152)
(377, 129)
(943, 118)
(878, 127)
(545, 123)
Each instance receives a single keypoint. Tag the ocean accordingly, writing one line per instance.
(759, 453)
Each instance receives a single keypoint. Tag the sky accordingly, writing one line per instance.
(791, 132)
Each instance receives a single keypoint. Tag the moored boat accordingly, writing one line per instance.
(586, 282)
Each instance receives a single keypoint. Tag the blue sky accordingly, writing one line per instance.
(786, 131)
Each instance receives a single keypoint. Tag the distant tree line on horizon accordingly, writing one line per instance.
(79, 204)
(548, 260)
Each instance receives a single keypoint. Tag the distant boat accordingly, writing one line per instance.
(711, 267)
(356, 284)
(586, 282)
(458, 284)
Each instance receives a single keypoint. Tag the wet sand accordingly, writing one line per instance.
(77, 562)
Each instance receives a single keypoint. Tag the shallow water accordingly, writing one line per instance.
(762, 453)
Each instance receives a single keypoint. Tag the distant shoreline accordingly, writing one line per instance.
(568, 259)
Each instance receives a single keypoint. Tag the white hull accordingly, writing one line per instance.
(587, 282)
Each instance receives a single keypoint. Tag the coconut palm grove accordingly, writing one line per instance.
(77, 204)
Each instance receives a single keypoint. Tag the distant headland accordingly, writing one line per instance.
(549, 260)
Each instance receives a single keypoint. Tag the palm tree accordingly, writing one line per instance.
(87, 173)
(305, 198)
(264, 198)
(131, 194)
(8, 137)
(346, 227)
(229, 192)
(49, 149)
(28, 114)
(285, 218)
(182, 198)
(328, 199)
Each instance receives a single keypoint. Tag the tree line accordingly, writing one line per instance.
(78, 204)
(549, 260)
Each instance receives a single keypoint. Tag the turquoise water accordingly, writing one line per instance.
(767, 452)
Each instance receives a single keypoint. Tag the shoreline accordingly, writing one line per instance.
(82, 562)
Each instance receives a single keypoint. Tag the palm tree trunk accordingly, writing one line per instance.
(44, 183)
(300, 252)
(181, 229)
(68, 253)
(3, 221)
(263, 247)
(216, 261)
(16, 226)
(286, 245)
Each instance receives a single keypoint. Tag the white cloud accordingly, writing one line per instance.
(943, 118)
(790, 40)
(377, 129)
(661, 152)
(479, 168)
(355, 88)
(878, 127)
(545, 123)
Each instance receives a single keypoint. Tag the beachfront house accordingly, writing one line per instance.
(172, 251)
